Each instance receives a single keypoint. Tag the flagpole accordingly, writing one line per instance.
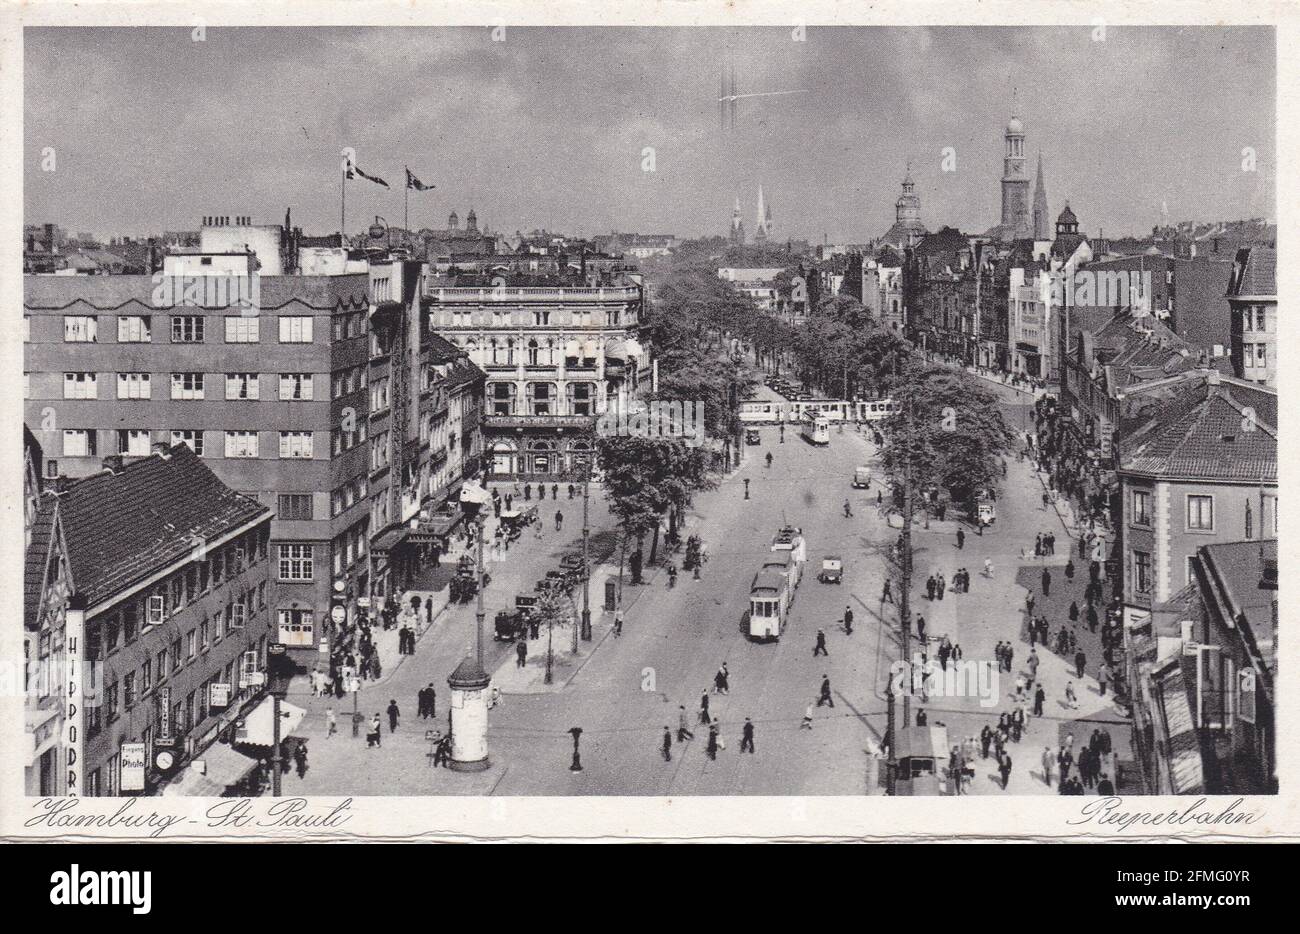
(406, 202)
(343, 202)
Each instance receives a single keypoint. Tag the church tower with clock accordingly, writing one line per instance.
(1015, 182)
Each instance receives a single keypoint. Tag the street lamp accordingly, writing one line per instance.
(586, 556)
(576, 764)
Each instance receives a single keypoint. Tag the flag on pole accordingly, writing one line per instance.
(413, 182)
(354, 171)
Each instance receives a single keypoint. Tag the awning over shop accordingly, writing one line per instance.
(634, 348)
(258, 728)
(390, 539)
(573, 349)
(440, 526)
(211, 773)
(617, 349)
(589, 349)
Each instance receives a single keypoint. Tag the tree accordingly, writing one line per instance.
(650, 478)
(553, 609)
(950, 429)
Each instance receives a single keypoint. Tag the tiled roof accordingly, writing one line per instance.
(1254, 272)
(121, 527)
(44, 535)
(1198, 434)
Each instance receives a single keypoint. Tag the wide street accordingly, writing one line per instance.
(623, 691)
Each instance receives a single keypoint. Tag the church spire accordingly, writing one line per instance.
(1042, 222)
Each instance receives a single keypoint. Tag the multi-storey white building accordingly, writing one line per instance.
(556, 356)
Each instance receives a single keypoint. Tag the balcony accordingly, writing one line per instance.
(545, 294)
(576, 422)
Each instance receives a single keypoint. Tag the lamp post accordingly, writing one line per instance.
(576, 764)
(586, 558)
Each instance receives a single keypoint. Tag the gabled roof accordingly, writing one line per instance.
(1199, 434)
(124, 526)
(1254, 272)
(45, 536)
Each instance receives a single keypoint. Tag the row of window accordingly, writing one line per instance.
(121, 695)
(1199, 514)
(138, 442)
(350, 547)
(169, 597)
(348, 495)
(541, 398)
(350, 380)
(539, 318)
(294, 387)
(185, 329)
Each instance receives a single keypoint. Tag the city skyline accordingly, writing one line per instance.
(535, 124)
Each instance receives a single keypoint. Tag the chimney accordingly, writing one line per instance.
(112, 463)
(162, 449)
(62, 483)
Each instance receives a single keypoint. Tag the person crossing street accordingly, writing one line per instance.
(825, 696)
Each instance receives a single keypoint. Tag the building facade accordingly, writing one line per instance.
(1252, 301)
(149, 597)
(555, 356)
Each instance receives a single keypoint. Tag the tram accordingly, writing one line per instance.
(816, 429)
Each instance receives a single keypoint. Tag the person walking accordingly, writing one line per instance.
(747, 737)
(1103, 677)
(1048, 759)
(1071, 700)
(887, 595)
(300, 759)
(807, 718)
(521, 653)
(920, 628)
(961, 539)
(848, 512)
(1047, 582)
(1080, 662)
(848, 620)
(1032, 664)
(931, 586)
(986, 739)
(331, 722)
(988, 568)
(1040, 697)
(1004, 768)
(375, 733)
(704, 706)
(825, 696)
(712, 747)
(559, 520)
(422, 703)
(393, 714)
(820, 647)
(683, 731)
(940, 585)
(667, 745)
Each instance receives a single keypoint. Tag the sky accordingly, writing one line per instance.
(550, 127)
